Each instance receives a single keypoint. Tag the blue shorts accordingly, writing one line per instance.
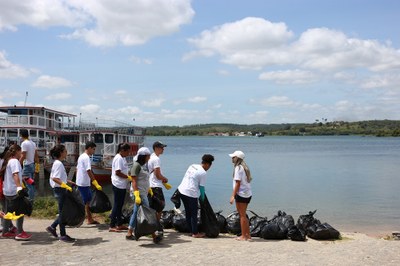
(86, 194)
(28, 170)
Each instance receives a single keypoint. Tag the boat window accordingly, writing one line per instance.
(98, 138)
(12, 133)
(109, 138)
(33, 133)
(41, 134)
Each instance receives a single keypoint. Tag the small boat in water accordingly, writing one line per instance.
(49, 127)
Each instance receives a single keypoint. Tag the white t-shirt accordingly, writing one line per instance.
(245, 188)
(84, 164)
(29, 147)
(195, 177)
(152, 164)
(9, 187)
(57, 171)
(119, 163)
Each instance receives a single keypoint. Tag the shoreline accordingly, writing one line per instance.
(95, 245)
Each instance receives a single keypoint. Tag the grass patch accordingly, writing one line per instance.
(45, 208)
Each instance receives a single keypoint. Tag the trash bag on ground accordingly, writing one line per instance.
(100, 202)
(221, 221)
(306, 220)
(256, 222)
(322, 231)
(278, 226)
(209, 222)
(146, 221)
(176, 199)
(233, 223)
(166, 219)
(127, 211)
(296, 234)
(73, 211)
(155, 203)
(179, 223)
(20, 204)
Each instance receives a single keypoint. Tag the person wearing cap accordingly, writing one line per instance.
(241, 191)
(120, 182)
(192, 188)
(140, 188)
(157, 179)
(28, 159)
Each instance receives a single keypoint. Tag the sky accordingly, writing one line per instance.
(181, 62)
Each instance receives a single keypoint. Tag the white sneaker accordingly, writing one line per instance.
(177, 211)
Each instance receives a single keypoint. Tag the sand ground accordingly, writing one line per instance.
(95, 245)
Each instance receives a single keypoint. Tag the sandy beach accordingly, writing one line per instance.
(95, 245)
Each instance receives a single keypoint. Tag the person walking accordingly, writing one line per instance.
(29, 158)
(11, 170)
(120, 182)
(140, 189)
(192, 189)
(58, 182)
(157, 179)
(241, 191)
(85, 176)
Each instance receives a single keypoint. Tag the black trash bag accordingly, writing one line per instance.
(273, 231)
(296, 234)
(221, 221)
(146, 221)
(73, 211)
(100, 202)
(307, 220)
(209, 222)
(155, 203)
(179, 223)
(20, 204)
(176, 199)
(126, 213)
(166, 219)
(322, 232)
(233, 223)
(284, 221)
(256, 223)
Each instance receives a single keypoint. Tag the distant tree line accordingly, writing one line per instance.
(379, 128)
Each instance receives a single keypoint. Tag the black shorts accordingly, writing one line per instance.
(241, 199)
(157, 202)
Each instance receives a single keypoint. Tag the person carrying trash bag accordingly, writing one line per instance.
(139, 189)
(192, 188)
(11, 170)
(58, 181)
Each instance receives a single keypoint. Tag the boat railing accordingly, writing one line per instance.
(32, 121)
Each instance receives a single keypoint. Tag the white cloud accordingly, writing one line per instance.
(223, 72)
(90, 109)
(9, 70)
(289, 76)
(121, 92)
(58, 96)
(275, 101)
(197, 99)
(153, 102)
(50, 82)
(138, 60)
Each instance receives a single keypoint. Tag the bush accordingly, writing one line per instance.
(45, 207)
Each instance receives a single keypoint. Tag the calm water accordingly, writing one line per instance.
(353, 182)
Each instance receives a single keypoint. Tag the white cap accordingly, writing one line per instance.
(238, 154)
(142, 151)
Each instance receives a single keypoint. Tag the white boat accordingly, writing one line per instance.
(49, 127)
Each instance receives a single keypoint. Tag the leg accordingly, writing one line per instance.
(119, 205)
(244, 223)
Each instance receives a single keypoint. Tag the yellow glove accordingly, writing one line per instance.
(151, 192)
(98, 187)
(63, 185)
(138, 200)
(129, 178)
(12, 216)
(37, 168)
(167, 186)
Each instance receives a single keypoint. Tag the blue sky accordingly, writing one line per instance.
(179, 62)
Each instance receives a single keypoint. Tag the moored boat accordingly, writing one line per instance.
(49, 127)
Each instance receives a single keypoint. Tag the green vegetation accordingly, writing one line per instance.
(379, 128)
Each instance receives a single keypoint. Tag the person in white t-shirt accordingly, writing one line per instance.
(58, 181)
(85, 176)
(192, 188)
(120, 183)
(157, 179)
(11, 170)
(241, 191)
(28, 159)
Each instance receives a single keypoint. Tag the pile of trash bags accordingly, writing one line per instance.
(281, 226)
